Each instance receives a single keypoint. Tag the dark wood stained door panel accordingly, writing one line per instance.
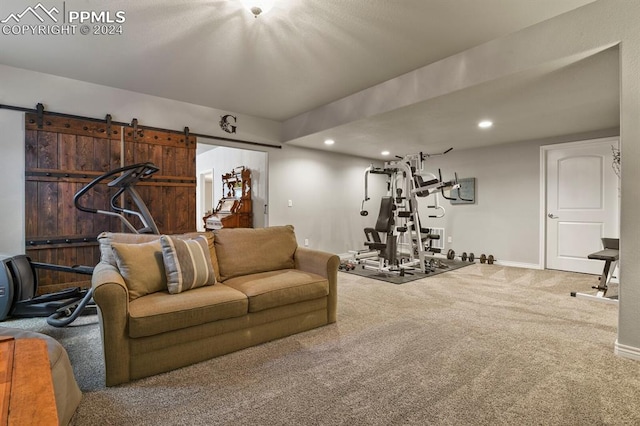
(65, 155)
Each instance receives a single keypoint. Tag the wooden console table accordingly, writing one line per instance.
(26, 386)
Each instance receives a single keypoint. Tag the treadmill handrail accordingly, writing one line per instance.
(131, 175)
(147, 169)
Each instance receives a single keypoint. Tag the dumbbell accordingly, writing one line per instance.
(484, 259)
(451, 254)
(346, 266)
(433, 264)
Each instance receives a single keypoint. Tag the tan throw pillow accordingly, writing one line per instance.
(141, 266)
(187, 263)
(106, 238)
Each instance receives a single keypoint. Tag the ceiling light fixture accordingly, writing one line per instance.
(329, 142)
(258, 7)
(385, 153)
(485, 124)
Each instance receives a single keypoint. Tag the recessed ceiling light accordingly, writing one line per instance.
(385, 153)
(329, 142)
(485, 124)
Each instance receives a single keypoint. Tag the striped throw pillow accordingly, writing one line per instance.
(187, 263)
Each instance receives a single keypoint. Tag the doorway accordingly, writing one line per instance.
(213, 161)
(580, 202)
(206, 196)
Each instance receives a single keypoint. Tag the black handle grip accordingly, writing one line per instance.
(131, 174)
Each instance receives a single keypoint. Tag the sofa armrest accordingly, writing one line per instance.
(326, 265)
(112, 298)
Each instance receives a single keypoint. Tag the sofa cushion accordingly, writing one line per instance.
(106, 238)
(187, 263)
(161, 312)
(141, 266)
(278, 288)
(243, 251)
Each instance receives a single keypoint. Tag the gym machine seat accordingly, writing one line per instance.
(384, 224)
(610, 256)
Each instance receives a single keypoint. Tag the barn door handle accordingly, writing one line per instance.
(551, 216)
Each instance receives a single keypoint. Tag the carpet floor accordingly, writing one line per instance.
(481, 345)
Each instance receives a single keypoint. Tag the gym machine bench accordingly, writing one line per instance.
(610, 256)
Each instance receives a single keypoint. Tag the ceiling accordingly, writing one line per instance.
(304, 54)
(548, 102)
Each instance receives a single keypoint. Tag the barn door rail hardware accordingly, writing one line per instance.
(62, 240)
(40, 111)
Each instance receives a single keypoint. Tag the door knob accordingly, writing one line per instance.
(551, 216)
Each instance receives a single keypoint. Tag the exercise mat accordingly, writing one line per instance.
(410, 274)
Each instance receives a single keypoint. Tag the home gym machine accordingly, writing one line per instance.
(18, 274)
(610, 255)
(406, 244)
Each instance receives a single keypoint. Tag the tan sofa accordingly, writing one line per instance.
(266, 287)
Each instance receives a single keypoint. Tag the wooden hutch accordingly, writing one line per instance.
(234, 210)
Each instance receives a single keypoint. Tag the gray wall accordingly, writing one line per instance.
(505, 219)
(12, 188)
(326, 191)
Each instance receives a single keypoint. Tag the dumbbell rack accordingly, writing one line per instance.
(451, 254)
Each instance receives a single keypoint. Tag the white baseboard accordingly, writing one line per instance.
(627, 351)
(518, 264)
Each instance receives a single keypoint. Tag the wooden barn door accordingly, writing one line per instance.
(63, 154)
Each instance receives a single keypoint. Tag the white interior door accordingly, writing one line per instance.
(582, 204)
